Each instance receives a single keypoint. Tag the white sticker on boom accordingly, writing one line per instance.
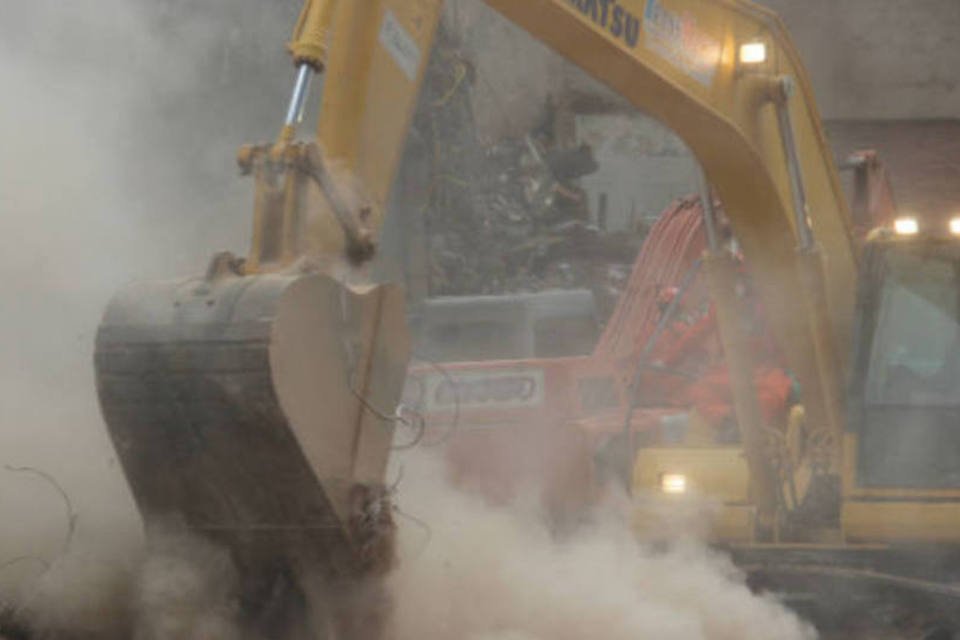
(403, 48)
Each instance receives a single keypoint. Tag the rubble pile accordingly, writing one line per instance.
(506, 216)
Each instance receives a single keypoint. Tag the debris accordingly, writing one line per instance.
(507, 216)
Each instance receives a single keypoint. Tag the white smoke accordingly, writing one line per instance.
(118, 124)
(469, 570)
(186, 589)
(84, 593)
(118, 127)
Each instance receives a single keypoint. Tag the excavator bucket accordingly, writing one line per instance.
(256, 409)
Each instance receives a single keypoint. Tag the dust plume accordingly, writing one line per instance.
(468, 570)
(179, 586)
(185, 588)
(118, 128)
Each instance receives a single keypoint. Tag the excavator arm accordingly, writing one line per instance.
(752, 123)
(754, 126)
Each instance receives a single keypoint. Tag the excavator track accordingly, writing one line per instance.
(860, 591)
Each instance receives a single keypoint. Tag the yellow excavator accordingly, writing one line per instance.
(256, 402)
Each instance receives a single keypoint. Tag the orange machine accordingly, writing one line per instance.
(511, 426)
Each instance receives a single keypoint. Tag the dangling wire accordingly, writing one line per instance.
(71, 521)
(455, 420)
(416, 420)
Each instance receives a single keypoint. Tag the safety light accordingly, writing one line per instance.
(673, 483)
(955, 226)
(906, 226)
(753, 53)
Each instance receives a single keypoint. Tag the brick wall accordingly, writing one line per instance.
(923, 157)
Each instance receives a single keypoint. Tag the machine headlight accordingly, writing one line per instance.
(906, 226)
(955, 226)
(673, 483)
(753, 53)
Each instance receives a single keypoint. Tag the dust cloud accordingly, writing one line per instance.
(118, 126)
(185, 589)
(469, 570)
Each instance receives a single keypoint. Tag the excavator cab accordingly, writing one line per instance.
(903, 428)
(909, 391)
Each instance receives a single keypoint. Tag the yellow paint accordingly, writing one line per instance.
(734, 523)
(368, 98)
(309, 42)
(901, 522)
(717, 495)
